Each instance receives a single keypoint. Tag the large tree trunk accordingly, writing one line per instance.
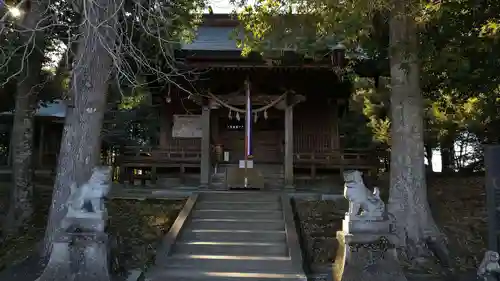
(28, 87)
(408, 193)
(448, 153)
(428, 155)
(89, 85)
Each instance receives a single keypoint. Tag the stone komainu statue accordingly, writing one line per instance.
(489, 266)
(88, 199)
(360, 197)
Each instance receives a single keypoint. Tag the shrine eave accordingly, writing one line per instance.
(232, 61)
(225, 57)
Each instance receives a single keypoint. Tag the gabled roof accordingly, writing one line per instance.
(213, 38)
(215, 43)
(56, 109)
(217, 32)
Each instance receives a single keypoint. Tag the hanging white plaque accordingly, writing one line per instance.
(187, 126)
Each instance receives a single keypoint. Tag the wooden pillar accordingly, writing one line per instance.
(214, 126)
(205, 165)
(289, 182)
(214, 132)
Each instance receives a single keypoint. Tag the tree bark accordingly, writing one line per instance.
(28, 87)
(448, 153)
(408, 193)
(82, 128)
(428, 155)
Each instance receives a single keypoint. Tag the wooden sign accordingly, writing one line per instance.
(187, 126)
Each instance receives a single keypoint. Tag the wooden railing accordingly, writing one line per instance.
(338, 159)
(150, 156)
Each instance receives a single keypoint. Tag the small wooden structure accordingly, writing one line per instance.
(49, 123)
(297, 105)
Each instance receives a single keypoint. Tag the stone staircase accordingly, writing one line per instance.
(234, 236)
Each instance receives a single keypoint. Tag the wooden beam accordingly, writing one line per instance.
(205, 165)
(289, 180)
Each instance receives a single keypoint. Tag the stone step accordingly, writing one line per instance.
(230, 263)
(273, 173)
(198, 275)
(236, 214)
(216, 235)
(222, 174)
(244, 205)
(231, 249)
(239, 224)
(165, 180)
(273, 179)
(238, 196)
(217, 182)
(275, 183)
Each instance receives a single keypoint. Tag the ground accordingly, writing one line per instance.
(458, 205)
(140, 225)
(318, 222)
(20, 247)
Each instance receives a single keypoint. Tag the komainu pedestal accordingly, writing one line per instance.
(80, 248)
(370, 257)
(366, 243)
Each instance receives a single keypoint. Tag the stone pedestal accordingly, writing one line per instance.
(80, 248)
(59, 265)
(78, 257)
(367, 255)
(356, 224)
(92, 258)
(95, 224)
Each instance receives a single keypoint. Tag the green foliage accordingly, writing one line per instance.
(130, 119)
(490, 29)
(308, 26)
(459, 61)
(458, 47)
(131, 102)
(150, 33)
(373, 104)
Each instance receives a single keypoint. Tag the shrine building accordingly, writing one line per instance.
(248, 122)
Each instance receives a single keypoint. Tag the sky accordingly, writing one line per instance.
(220, 6)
